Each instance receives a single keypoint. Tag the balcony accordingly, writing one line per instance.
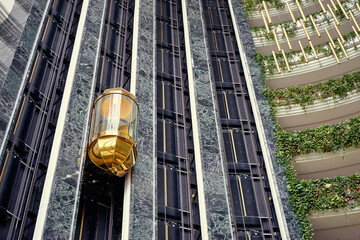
(283, 13)
(331, 164)
(328, 111)
(343, 224)
(317, 70)
(265, 46)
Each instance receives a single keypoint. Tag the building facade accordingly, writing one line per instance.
(208, 166)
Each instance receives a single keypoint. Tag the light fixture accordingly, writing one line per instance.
(265, 22)
(313, 50)
(343, 10)
(343, 49)
(339, 33)
(334, 53)
(357, 34)
(315, 26)
(306, 32)
(330, 38)
(276, 62)
(286, 61)
(301, 11)
(112, 139)
(287, 38)
(322, 6)
(291, 13)
(303, 52)
(266, 11)
(334, 5)
(333, 14)
(276, 40)
(356, 23)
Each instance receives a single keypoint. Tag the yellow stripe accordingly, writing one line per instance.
(217, 49)
(102, 70)
(53, 4)
(165, 186)
(32, 72)
(162, 32)
(2, 171)
(47, 23)
(212, 20)
(161, 7)
(227, 107)
(163, 95)
(164, 136)
(233, 144)
(17, 121)
(242, 197)
(166, 232)
(162, 60)
(82, 222)
(221, 74)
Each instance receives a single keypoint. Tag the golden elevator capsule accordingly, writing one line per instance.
(112, 139)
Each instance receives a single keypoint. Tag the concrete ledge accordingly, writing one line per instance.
(280, 15)
(265, 46)
(315, 71)
(322, 112)
(332, 164)
(343, 224)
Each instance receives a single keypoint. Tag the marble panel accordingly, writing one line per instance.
(217, 200)
(25, 4)
(143, 205)
(63, 207)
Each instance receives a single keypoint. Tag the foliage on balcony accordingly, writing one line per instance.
(319, 17)
(267, 62)
(325, 138)
(327, 193)
(308, 196)
(337, 88)
(254, 5)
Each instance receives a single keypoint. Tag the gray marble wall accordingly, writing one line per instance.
(143, 204)
(264, 108)
(217, 199)
(11, 29)
(65, 193)
(15, 55)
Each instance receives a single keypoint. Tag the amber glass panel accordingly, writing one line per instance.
(113, 132)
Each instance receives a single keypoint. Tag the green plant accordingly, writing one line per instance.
(267, 61)
(252, 5)
(337, 88)
(324, 194)
(291, 28)
(308, 196)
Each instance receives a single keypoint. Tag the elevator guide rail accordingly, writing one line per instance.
(101, 201)
(253, 211)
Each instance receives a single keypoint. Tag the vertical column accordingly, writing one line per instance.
(142, 211)
(286, 220)
(59, 203)
(208, 144)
